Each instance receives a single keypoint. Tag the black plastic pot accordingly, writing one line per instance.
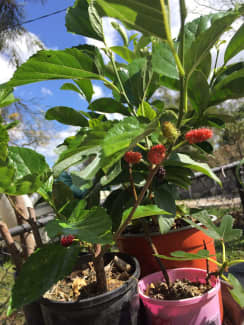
(117, 307)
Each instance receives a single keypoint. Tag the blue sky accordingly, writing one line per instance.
(52, 32)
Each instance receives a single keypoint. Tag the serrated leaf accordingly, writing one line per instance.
(125, 134)
(223, 232)
(78, 21)
(166, 201)
(4, 138)
(24, 172)
(237, 292)
(199, 90)
(205, 41)
(163, 61)
(235, 45)
(108, 105)
(50, 264)
(182, 160)
(86, 88)
(7, 97)
(121, 135)
(184, 256)
(93, 226)
(76, 158)
(229, 84)
(140, 15)
(66, 115)
(48, 65)
(144, 211)
(147, 111)
(116, 170)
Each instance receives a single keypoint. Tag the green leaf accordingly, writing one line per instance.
(115, 204)
(199, 90)
(147, 111)
(125, 134)
(45, 190)
(116, 170)
(121, 135)
(184, 256)
(237, 292)
(48, 65)
(235, 45)
(45, 267)
(205, 146)
(124, 53)
(140, 15)
(121, 31)
(163, 61)
(135, 82)
(66, 115)
(84, 88)
(229, 84)
(80, 20)
(78, 157)
(182, 160)
(93, 226)
(4, 138)
(144, 211)
(24, 172)
(61, 194)
(223, 232)
(206, 40)
(88, 173)
(166, 201)
(7, 97)
(108, 105)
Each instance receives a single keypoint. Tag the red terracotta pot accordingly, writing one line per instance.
(187, 239)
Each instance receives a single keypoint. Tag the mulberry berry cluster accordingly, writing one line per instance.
(156, 154)
(198, 135)
(132, 157)
(67, 240)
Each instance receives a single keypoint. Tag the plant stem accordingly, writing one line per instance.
(179, 145)
(213, 261)
(223, 251)
(215, 66)
(235, 262)
(169, 38)
(155, 251)
(132, 183)
(98, 263)
(141, 196)
(111, 57)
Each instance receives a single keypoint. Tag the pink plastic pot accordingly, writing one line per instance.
(202, 310)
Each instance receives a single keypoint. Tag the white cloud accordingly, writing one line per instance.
(25, 45)
(98, 92)
(49, 150)
(46, 91)
(7, 69)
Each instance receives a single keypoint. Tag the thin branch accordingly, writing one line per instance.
(155, 251)
(15, 253)
(32, 221)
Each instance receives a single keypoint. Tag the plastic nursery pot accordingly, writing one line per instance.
(117, 307)
(186, 239)
(203, 310)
